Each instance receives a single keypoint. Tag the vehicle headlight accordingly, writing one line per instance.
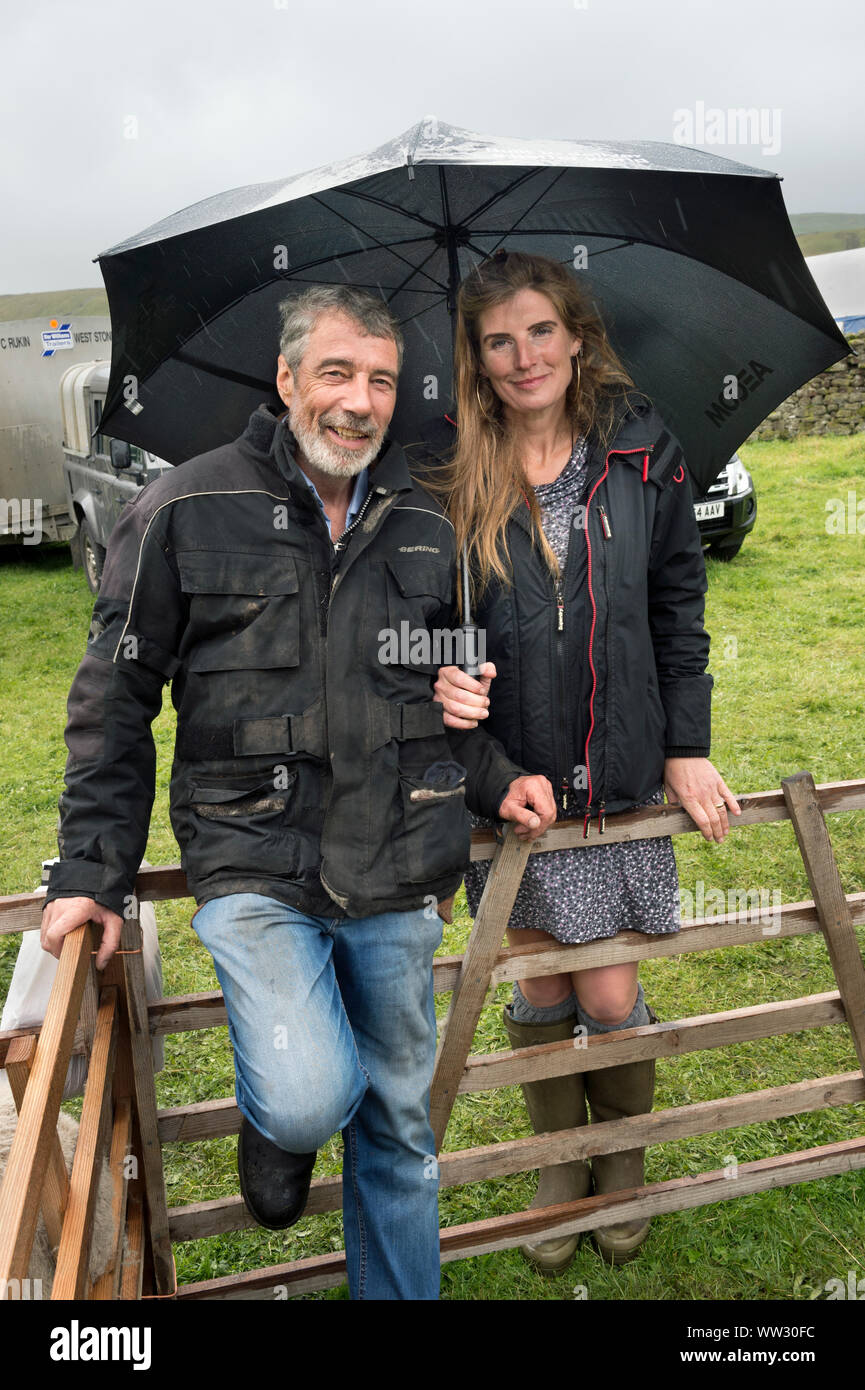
(738, 477)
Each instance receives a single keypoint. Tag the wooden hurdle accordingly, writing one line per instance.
(110, 1020)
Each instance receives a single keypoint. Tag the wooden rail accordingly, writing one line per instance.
(110, 1021)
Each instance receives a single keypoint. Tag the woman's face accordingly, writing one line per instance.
(526, 352)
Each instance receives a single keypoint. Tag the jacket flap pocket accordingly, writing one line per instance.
(221, 572)
(421, 576)
(256, 796)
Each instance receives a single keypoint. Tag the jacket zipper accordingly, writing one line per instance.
(340, 543)
(607, 531)
(560, 668)
(338, 546)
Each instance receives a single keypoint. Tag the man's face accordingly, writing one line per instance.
(342, 396)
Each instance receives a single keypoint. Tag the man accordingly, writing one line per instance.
(315, 796)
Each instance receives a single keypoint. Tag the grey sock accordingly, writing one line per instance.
(524, 1012)
(638, 1015)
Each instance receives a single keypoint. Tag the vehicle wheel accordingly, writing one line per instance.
(726, 551)
(92, 557)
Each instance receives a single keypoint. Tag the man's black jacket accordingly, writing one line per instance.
(301, 754)
(601, 678)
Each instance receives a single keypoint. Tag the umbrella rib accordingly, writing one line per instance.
(503, 193)
(380, 244)
(377, 202)
(443, 191)
(543, 194)
(402, 286)
(416, 315)
(557, 231)
(226, 373)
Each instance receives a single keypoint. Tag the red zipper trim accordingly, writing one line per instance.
(449, 420)
(594, 618)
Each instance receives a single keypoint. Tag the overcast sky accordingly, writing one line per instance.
(115, 114)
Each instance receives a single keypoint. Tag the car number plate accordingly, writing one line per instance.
(707, 511)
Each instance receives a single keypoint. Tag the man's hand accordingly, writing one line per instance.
(63, 915)
(464, 698)
(701, 791)
(530, 805)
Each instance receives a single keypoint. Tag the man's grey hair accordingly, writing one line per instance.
(300, 313)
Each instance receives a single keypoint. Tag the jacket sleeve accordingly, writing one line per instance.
(676, 598)
(489, 769)
(110, 774)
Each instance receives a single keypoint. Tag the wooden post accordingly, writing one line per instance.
(815, 847)
(55, 1188)
(156, 1214)
(467, 1000)
(37, 1122)
(107, 1285)
(72, 1275)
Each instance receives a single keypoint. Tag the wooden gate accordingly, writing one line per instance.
(109, 1018)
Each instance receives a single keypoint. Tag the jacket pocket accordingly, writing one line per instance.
(417, 593)
(244, 611)
(434, 838)
(243, 824)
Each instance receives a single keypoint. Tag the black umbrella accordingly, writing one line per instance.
(690, 257)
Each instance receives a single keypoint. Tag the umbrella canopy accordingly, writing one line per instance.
(690, 258)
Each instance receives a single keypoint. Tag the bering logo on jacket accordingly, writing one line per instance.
(432, 549)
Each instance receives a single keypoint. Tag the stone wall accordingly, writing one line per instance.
(833, 403)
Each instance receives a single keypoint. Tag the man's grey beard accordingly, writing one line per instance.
(322, 454)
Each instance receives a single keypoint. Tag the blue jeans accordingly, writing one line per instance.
(333, 1027)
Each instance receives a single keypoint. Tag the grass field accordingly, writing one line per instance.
(787, 619)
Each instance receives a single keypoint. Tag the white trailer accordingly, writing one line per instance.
(34, 354)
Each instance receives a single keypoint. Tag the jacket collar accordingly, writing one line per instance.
(640, 430)
(267, 434)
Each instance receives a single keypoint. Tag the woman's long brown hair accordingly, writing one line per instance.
(484, 481)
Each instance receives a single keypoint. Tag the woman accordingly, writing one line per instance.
(588, 580)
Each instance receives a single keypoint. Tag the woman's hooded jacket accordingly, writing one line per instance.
(602, 676)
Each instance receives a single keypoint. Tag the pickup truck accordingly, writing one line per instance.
(61, 480)
(101, 474)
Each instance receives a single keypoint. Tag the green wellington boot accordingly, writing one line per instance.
(613, 1093)
(557, 1103)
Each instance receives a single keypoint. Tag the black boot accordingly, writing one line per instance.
(274, 1182)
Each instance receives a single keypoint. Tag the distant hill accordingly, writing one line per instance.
(818, 233)
(53, 304)
(804, 223)
(820, 243)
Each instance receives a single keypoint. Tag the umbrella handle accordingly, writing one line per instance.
(470, 666)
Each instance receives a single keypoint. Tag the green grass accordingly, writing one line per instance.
(821, 243)
(787, 619)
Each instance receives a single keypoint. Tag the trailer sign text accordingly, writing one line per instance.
(55, 339)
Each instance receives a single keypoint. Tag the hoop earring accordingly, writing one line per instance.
(480, 402)
(576, 359)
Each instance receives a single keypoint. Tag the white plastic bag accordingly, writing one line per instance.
(33, 978)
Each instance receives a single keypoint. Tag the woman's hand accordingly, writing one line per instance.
(464, 698)
(699, 788)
